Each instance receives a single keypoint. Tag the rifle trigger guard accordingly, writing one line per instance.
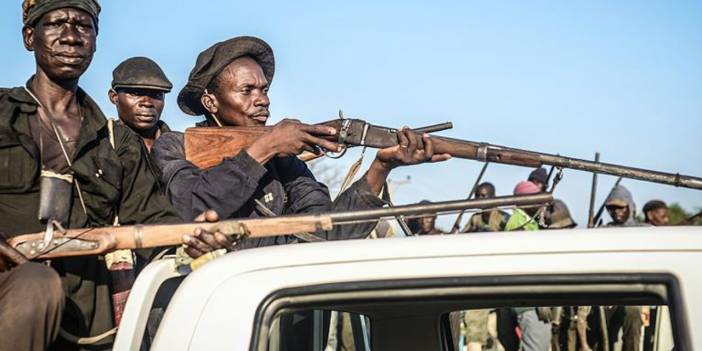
(343, 134)
(336, 155)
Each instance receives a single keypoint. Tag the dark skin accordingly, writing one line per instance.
(658, 217)
(619, 214)
(427, 225)
(242, 100)
(485, 192)
(63, 42)
(140, 110)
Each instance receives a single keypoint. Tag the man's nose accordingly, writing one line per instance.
(70, 35)
(262, 100)
(146, 101)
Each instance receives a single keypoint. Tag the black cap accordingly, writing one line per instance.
(654, 205)
(213, 60)
(140, 72)
(539, 174)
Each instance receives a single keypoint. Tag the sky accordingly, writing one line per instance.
(619, 77)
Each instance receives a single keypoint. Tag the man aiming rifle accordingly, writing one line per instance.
(229, 86)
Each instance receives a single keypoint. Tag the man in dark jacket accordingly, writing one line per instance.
(51, 131)
(229, 85)
(139, 87)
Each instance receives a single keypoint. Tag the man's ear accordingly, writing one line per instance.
(112, 95)
(209, 101)
(28, 38)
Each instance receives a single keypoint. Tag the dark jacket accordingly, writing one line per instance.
(113, 181)
(284, 185)
(163, 128)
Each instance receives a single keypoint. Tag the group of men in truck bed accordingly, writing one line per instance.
(65, 164)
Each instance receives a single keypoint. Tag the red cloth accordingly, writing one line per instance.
(526, 187)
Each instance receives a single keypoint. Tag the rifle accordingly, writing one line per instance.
(99, 241)
(208, 146)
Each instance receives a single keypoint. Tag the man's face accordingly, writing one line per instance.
(140, 109)
(426, 224)
(619, 214)
(484, 193)
(242, 94)
(658, 217)
(63, 42)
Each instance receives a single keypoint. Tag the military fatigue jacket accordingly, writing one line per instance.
(284, 186)
(113, 182)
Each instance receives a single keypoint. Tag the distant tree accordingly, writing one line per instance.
(677, 214)
(326, 173)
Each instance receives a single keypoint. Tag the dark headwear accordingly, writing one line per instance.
(539, 174)
(653, 205)
(213, 60)
(32, 10)
(558, 216)
(140, 72)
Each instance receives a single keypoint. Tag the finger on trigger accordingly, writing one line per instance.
(326, 144)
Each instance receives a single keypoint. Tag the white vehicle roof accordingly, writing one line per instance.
(223, 296)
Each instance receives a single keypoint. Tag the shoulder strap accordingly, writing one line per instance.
(111, 136)
(111, 131)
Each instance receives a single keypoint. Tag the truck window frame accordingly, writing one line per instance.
(532, 289)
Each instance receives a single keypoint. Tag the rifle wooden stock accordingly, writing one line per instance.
(97, 241)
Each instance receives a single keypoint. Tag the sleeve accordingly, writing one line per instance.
(192, 190)
(309, 196)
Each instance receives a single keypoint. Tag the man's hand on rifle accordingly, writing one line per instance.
(412, 149)
(202, 241)
(290, 137)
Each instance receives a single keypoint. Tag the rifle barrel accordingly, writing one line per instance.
(486, 152)
(340, 218)
(434, 128)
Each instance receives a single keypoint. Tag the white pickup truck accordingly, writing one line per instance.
(404, 288)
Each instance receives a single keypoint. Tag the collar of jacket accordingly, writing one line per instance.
(94, 120)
